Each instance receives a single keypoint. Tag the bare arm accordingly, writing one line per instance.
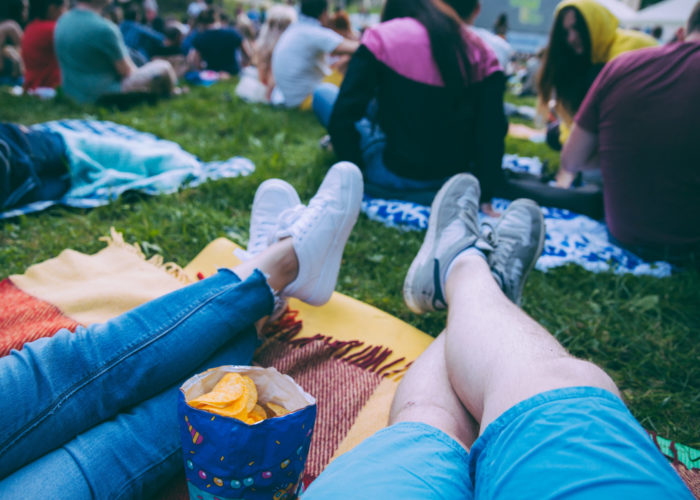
(580, 153)
(346, 47)
(194, 60)
(125, 67)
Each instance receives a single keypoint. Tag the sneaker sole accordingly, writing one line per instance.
(331, 267)
(540, 245)
(425, 254)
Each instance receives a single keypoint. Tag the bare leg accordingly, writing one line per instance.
(425, 395)
(279, 262)
(498, 356)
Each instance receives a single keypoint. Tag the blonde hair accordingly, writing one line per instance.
(279, 17)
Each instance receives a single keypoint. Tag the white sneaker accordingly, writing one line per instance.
(273, 197)
(321, 231)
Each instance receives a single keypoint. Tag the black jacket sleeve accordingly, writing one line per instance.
(358, 89)
(492, 127)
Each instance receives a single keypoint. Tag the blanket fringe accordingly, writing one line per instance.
(116, 240)
(372, 358)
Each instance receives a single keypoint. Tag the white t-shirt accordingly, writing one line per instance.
(503, 50)
(299, 58)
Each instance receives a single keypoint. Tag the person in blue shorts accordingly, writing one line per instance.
(496, 407)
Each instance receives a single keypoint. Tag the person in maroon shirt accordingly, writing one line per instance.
(41, 65)
(640, 123)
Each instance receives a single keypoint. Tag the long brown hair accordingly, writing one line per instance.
(444, 27)
(564, 73)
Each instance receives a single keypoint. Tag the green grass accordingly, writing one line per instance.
(643, 331)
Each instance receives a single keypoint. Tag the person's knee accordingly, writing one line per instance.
(426, 412)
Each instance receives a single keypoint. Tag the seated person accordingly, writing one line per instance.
(172, 43)
(429, 119)
(277, 20)
(138, 36)
(94, 60)
(214, 47)
(95, 410)
(299, 61)
(248, 31)
(38, 54)
(503, 50)
(584, 36)
(639, 124)
(13, 15)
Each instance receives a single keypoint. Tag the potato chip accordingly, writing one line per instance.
(228, 389)
(236, 396)
(229, 397)
(276, 410)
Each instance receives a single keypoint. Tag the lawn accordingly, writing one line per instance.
(642, 330)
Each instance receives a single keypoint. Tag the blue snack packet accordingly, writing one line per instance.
(228, 459)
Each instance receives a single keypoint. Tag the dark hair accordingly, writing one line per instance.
(463, 8)
(133, 13)
(14, 10)
(694, 19)
(444, 27)
(314, 8)
(563, 71)
(207, 17)
(39, 9)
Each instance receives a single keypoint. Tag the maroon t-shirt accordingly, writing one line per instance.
(645, 108)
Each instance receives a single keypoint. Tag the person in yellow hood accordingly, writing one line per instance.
(585, 35)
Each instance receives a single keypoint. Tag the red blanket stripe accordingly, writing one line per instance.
(24, 318)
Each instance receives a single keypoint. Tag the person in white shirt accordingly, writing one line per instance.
(299, 62)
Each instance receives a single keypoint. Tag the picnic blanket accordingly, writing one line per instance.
(571, 237)
(348, 354)
(106, 159)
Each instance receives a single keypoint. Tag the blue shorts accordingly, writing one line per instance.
(577, 442)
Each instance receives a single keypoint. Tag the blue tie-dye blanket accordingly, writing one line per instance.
(106, 159)
(571, 238)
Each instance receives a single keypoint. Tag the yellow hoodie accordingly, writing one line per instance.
(607, 41)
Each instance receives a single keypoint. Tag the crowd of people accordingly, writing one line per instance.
(414, 108)
(416, 98)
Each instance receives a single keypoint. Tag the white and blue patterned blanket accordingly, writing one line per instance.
(571, 238)
(106, 159)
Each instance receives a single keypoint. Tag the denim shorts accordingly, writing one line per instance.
(577, 442)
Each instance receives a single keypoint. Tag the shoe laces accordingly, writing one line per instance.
(290, 219)
(267, 231)
(504, 246)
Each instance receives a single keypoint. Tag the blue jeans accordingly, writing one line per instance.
(94, 413)
(380, 182)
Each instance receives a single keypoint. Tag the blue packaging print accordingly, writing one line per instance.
(227, 459)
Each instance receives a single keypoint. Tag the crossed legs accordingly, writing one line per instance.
(492, 355)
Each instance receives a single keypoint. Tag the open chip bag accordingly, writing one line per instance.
(245, 432)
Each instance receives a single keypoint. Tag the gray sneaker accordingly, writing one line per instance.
(518, 239)
(453, 227)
